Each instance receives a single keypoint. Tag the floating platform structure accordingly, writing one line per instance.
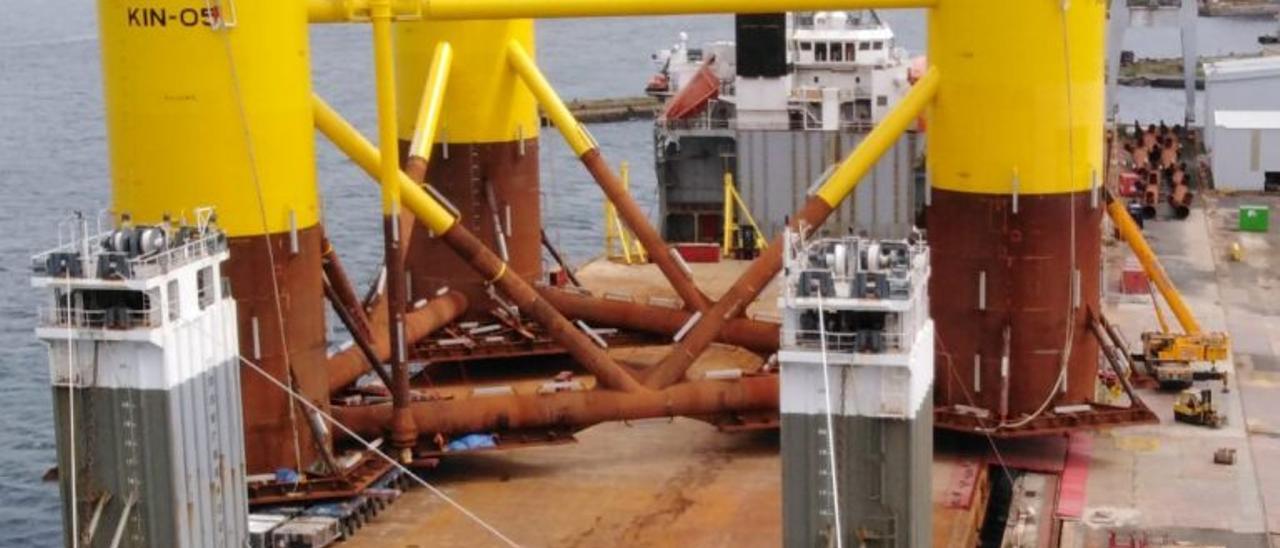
(461, 346)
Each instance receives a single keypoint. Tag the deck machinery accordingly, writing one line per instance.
(857, 385)
(211, 105)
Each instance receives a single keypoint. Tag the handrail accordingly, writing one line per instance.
(80, 318)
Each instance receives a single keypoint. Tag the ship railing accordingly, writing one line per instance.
(163, 261)
(114, 318)
(40, 261)
(901, 285)
(870, 342)
(142, 265)
(699, 122)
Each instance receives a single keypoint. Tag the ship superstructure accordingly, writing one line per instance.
(857, 386)
(777, 109)
(142, 338)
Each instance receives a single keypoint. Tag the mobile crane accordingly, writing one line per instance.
(1168, 355)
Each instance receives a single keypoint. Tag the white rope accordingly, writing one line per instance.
(1065, 359)
(831, 432)
(984, 430)
(416, 478)
(275, 287)
(266, 235)
(71, 418)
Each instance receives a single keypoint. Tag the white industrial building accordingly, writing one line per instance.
(1246, 150)
(1242, 122)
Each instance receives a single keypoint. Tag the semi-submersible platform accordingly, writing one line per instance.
(187, 333)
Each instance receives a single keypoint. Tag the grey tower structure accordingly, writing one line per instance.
(857, 377)
(146, 388)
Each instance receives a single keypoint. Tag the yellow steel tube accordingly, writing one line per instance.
(331, 11)
(485, 101)
(424, 132)
(1133, 235)
(361, 151)
(761, 243)
(384, 75)
(574, 133)
(726, 245)
(885, 134)
(440, 221)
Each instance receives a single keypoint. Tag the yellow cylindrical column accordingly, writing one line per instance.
(1019, 96)
(1015, 145)
(485, 101)
(484, 160)
(191, 124)
(199, 115)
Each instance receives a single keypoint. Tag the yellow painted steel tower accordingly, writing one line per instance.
(485, 160)
(1015, 150)
(214, 109)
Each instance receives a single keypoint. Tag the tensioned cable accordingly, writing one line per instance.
(831, 432)
(71, 414)
(300, 399)
(369, 445)
(289, 388)
(1071, 272)
(984, 430)
(266, 235)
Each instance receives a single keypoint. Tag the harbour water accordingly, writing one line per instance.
(53, 160)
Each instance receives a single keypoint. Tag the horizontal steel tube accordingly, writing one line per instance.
(336, 11)
(350, 364)
(572, 409)
(756, 336)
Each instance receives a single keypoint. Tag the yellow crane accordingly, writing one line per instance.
(1169, 356)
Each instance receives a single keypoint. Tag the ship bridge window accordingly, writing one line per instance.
(877, 45)
(103, 309)
(849, 48)
(837, 52)
(806, 46)
(864, 46)
(205, 288)
(820, 52)
(175, 300)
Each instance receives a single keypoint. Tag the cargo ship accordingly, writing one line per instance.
(772, 111)
(843, 372)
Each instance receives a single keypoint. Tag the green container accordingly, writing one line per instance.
(1254, 218)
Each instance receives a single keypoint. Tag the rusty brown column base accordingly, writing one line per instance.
(269, 432)
(1012, 270)
(736, 300)
(573, 409)
(635, 219)
(756, 336)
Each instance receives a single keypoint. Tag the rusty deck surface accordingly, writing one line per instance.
(653, 483)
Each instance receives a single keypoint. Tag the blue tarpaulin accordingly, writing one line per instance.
(473, 441)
